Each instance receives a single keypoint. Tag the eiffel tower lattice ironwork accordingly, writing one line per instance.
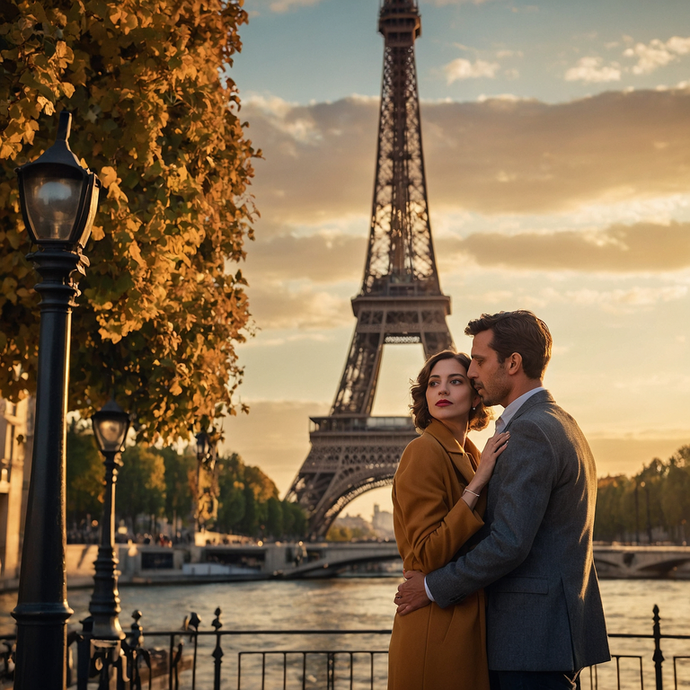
(400, 300)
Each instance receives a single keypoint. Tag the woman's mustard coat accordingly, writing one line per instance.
(434, 648)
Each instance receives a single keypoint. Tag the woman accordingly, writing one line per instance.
(437, 506)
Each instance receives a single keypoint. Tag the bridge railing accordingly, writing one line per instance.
(194, 658)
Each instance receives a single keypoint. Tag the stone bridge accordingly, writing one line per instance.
(329, 559)
(642, 561)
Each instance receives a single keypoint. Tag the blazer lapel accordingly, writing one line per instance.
(461, 460)
(538, 398)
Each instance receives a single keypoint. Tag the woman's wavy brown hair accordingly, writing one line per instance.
(479, 416)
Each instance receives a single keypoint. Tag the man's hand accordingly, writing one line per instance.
(411, 593)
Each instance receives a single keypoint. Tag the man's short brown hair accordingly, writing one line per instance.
(517, 331)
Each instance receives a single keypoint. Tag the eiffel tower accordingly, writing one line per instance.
(400, 300)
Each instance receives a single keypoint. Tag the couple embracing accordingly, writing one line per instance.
(500, 590)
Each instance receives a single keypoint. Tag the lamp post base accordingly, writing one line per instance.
(105, 602)
(41, 627)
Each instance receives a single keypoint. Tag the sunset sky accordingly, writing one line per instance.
(557, 147)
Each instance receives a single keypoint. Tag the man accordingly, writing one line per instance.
(545, 620)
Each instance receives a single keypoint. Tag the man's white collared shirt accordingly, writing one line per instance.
(511, 410)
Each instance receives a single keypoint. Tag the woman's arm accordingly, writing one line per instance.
(493, 448)
(433, 529)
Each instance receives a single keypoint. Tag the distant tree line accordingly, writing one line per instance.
(342, 533)
(652, 506)
(160, 483)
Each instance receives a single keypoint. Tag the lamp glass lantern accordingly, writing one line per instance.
(110, 426)
(59, 197)
(202, 445)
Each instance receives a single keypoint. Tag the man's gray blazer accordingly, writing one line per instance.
(535, 555)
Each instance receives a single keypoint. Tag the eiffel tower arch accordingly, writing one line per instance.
(400, 300)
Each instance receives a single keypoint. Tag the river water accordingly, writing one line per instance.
(366, 603)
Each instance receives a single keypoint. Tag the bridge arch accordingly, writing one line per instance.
(347, 497)
(348, 457)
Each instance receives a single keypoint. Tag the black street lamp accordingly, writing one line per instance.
(637, 515)
(110, 426)
(201, 446)
(59, 200)
(649, 514)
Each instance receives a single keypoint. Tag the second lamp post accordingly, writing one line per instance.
(110, 426)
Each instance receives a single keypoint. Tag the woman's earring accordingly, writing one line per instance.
(474, 408)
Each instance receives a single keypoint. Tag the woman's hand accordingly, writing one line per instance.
(493, 448)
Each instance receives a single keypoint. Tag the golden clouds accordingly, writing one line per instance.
(279, 305)
(506, 156)
(643, 247)
(491, 158)
(321, 258)
(498, 156)
(319, 158)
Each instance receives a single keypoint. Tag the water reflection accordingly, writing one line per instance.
(343, 603)
(359, 603)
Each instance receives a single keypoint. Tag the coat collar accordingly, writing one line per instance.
(538, 398)
(459, 456)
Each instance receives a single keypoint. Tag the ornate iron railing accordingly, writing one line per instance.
(196, 659)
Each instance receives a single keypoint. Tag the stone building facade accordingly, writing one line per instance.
(16, 443)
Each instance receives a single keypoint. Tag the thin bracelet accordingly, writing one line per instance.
(474, 493)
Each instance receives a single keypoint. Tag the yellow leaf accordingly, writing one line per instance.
(135, 253)
(97, 233)
(108, 176)
(47, 106)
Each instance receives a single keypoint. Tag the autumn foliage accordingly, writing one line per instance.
(156, 115)
(654, 505)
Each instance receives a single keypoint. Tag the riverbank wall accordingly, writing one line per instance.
(192, 563)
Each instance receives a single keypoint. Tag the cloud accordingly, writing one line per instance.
(280, 306)
(593, 70)
(282, 6)
(322, 258)
(444, 3)
(613, 300)
(464, 69)
(634, 299)
(643, 247)
(657, 53)
(493, 157)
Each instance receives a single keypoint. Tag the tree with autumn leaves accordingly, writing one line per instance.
(157, 117)
(160, 483)
(656, 499)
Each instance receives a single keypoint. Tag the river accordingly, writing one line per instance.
(354, 602)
